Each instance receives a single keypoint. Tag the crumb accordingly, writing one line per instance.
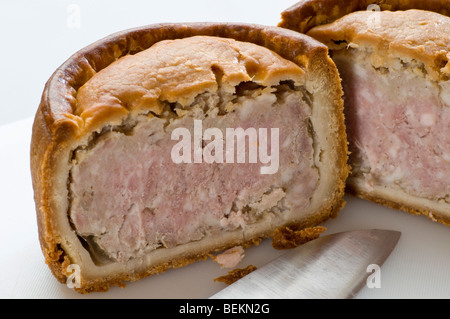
(286, 237)
(430, 216)
(236, 274)
(230, 258)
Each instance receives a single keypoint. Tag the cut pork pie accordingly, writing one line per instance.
(395, 72)
(158, 146)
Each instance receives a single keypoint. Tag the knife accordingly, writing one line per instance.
(330, 267)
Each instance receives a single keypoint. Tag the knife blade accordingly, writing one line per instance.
(329, 267)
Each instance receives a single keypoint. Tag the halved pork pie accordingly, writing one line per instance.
(155, 147)
(396, 77)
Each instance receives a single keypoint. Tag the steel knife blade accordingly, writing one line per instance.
(329, 267)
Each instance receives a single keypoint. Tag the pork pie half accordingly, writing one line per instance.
(117, 195)
(394, 62)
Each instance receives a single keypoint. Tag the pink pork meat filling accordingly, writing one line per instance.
(129, 197)
(398, 129)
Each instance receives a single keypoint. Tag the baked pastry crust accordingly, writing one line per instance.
(115, 91)
(61, 122)
(430, 46)
(404, 34)
(307, 14)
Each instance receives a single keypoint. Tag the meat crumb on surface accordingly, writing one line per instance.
(230, 258)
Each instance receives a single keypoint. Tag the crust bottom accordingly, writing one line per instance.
(401, 205)
(104, 284)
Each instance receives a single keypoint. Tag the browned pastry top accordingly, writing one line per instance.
(310, 13)
(178, 71)
(69, 109)
(416, 34)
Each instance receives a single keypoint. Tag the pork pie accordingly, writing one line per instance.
(393, 57)
(123, 193)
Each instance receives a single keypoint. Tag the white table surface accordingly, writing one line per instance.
(39, 33)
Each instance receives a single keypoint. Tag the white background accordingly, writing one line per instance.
(37, 37)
